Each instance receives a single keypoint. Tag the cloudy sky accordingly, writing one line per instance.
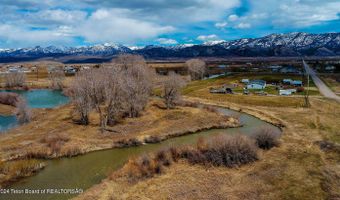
(25, 23)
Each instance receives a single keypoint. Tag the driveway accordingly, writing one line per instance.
(323, 88)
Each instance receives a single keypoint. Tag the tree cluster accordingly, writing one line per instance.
(15, 79)
(57, 77)
(117, 91)
(197, 69)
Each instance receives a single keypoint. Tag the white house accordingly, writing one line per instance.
(285, 92)
(245, 81)
(256, 84)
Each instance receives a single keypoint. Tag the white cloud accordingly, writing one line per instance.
(20, 37)
(221, 25)
(243, 25)
(54, 17)
(293, 13)
(116, 25)
(233, 18)
(166, 41)
(206, 38)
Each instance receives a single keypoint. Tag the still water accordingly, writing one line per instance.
(36, 99)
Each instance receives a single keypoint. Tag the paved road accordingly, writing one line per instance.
(323, 88)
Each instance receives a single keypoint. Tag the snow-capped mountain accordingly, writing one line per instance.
(291, 44)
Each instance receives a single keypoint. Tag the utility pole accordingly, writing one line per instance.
(307, 104)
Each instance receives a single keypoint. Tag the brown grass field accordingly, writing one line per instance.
(331, 82)
(56, 135)
(300, 168)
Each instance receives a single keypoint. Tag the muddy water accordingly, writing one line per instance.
(84, 171)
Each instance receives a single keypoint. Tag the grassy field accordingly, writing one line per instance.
(300, 168)
(331, 82)
(37, 79)
(52, 133)
(201, 89)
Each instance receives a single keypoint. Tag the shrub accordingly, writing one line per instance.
(210, 108)
(152, 139)
(55, 142)
(163, 157)
(266, 139)
(37, 153)
(230, 151)
(132, 142)
(175, 153)
(73, 151)
(300, 89)
(188, 104)
(9, 98)
(23, 113)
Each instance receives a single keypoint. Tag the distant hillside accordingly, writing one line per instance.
(281, 45)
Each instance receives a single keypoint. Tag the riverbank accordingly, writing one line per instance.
(52, 133)
(6, 110)
(299, 165)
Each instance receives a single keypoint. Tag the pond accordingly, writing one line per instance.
(43, 98)
(7, 122)
(84, 171)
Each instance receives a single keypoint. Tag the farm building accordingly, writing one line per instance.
(256, 84)
(285, 92)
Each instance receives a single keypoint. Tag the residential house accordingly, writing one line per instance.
(246, 81)
(296, 83)
(290, 69)
(256, 84)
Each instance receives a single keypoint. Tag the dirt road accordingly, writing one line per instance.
(323, 88)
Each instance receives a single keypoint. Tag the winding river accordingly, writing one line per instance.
(84, 171)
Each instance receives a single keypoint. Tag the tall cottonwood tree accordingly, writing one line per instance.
(171, 89)
(80, 96)
(137, 77)
(196, 68)
(115, 91)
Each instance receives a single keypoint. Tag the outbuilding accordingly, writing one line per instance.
(256, 84)
(285, 92)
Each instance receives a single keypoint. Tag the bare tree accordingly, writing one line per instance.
(171, 89)
(15, 79)
(57, 77)
(114, 92)
(23, 113)
(81, 97)
(137, 78)
(197, 68)
(126, 61)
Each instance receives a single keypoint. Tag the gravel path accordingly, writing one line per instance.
(323, 88)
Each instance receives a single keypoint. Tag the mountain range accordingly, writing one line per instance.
(281, 45)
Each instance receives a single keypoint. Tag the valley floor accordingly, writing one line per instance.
(305, 166)
(52, 134)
